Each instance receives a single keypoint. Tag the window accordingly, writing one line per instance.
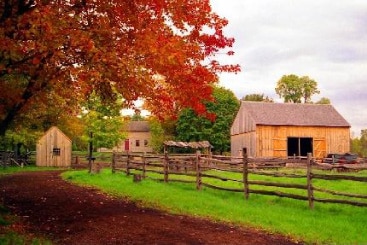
(137, 143)
(145, 142)
(56, 151)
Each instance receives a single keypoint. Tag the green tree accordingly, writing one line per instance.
(20, 139)
(324, 101)
(363, 142)
(359, 145)
(104, 121)
(160, 132)
(309, 88)
(355, 146)
(215, 126)
(257, 97)
(137, 116)
(293, 88)
(158, 135)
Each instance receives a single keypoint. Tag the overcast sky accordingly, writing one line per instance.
(323, 39)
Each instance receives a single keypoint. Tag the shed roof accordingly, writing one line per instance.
(50, 130)
(293, 114)
(138, 126)
(195, 145)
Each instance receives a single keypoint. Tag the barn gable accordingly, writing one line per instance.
(266, 129)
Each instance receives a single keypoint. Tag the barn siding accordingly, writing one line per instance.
(245, 140)
(242, 123)
(243, 134)
(338, 140)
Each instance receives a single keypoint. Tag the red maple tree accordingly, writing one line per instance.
(157, 50)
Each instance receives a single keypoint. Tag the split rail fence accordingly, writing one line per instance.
(204, 170)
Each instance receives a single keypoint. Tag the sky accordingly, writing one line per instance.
(323, 39)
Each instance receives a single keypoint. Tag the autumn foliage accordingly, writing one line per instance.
(54, 53)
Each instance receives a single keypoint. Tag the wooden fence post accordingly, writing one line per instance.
(165, 166)
(144, 165)
(245, 174)
(90, 153)
(198, 171)
(128, 164)
(309, 180)
(77, 161)
(113, 165)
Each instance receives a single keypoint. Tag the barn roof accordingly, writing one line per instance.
(138, 126)
(293, 114)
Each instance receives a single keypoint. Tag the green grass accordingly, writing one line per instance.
(325, 224)
(16, 169)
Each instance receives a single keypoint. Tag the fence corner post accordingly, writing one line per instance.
(309, 181)
(198, 170)
(245, 174)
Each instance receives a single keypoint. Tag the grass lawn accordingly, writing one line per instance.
(325, 224)
(15, 169)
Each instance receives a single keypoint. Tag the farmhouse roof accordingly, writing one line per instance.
(138, 126)
(293, 114)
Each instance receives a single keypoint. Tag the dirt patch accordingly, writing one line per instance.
(67, 214)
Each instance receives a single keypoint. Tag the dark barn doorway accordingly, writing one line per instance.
(299, 146)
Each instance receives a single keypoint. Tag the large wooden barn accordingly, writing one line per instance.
(53, 149)
(287, 129)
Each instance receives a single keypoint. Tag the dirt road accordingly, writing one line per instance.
(67, 214)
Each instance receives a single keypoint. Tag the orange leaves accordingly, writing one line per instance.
(118, 47)
(35, 61)
(89, 45)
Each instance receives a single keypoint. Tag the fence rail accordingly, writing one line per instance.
(204, 170)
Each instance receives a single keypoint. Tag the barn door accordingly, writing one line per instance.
(279, 147)
(319, 148)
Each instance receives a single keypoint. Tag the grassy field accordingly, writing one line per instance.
(325, 224)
